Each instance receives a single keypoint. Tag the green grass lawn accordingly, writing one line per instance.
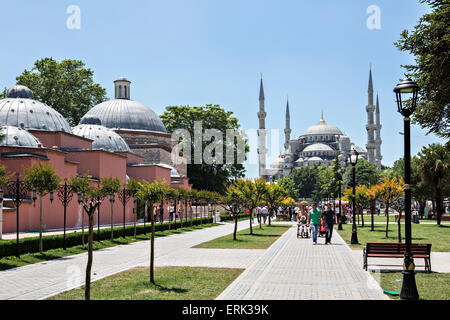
(431, 286)
(261, 238)
(172, 283)
(439, 237)
(30, 258)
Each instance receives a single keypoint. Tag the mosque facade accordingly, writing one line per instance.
(320, 143)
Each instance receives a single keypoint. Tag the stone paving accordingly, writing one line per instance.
(296, 269)
(41, 280)
(290, 269)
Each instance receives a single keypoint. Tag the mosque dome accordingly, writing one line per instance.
(318, 159)
(123, 113)
(14, 136)
(19, 109)
(322, 128)
(103, 137)
(318, 147)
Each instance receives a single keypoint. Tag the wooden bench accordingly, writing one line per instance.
(397, 250)
(282, 216)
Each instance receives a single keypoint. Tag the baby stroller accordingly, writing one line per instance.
(322, 228)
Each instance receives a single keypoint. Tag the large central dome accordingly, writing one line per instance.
(123, 113)
(322, 128)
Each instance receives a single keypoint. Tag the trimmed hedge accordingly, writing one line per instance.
(31, 245)
(227, 217)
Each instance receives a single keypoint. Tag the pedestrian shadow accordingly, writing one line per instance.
(166, 289)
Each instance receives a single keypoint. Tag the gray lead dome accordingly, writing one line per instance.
(103, 137)
(19, 109)
(126, 114)
(13, 136)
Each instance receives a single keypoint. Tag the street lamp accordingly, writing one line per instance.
(353, 158)
(341, 218)
(124, 197)
(65, 194)
(18, 190)
(407, 90)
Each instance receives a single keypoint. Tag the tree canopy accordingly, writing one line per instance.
(66, 86)
(217, 175)
(429, 42)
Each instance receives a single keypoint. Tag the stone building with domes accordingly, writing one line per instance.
(118, 138)
(319, 144)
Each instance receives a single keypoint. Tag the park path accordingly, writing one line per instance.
(41, 280)
(295, 269)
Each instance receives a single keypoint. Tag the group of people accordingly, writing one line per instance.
(312, 221)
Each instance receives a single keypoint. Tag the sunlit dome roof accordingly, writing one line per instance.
(322, 128)
(318, 147)
(103, 137)
(124, 113)
(14, 136)
(315, 159)
(18, 109)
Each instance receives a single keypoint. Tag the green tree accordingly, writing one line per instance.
(389, 190)
(366, 174)
(132, 188)
(429, 42)
(151, 193)
(235, 202)
(44, 179)
(274, 197)
(306, 180)
(434, 162)
(90, 203)
(109, 186)
(82, 186)
(4, 179)
(289, 185)
(67, 86)
(215, 176)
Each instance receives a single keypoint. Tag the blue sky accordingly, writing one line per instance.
(200, 52)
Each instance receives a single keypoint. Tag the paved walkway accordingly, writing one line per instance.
(290, 269)
(295, 269)
(41, 280)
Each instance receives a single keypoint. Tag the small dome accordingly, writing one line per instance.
(14, 136)
(317, 147)
(315, 159)
(174, 173)
(103, 137)
(19, 91)
(19, 109)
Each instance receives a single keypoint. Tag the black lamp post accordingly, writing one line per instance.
(124, 196)
(334, 194)
(19, 191)
(341, 218)
(65, 194)
(407, 90)
(353, 158)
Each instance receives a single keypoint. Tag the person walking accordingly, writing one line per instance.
(330, 220)
(161, 213)
(258, 214)
(314, 221)
(265, 213)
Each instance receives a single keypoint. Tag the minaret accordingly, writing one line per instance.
(287, 130)
(262, 151)
(370, 126)
(378, 156)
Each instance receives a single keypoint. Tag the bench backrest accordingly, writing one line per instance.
(397, 248)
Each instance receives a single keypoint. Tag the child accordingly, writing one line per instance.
(322, 228)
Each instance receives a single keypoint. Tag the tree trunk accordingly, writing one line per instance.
(87, 290)
(387, 219)
(135, 218)
(372, 212)
(362, 217)
(236, 218)
(270, 213)
(399, 229)
(152, 246)
(112, 222)
(82, 227)
(251, 222)
(439, 207)
(41, 244)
